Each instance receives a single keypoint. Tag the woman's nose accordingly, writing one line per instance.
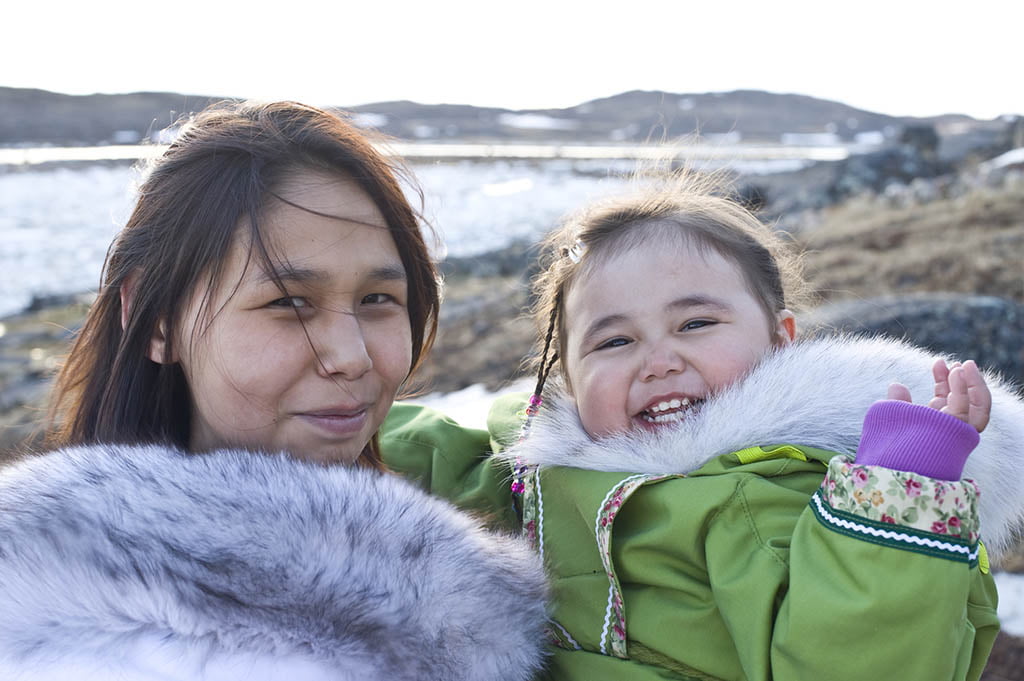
(662, 361)
(341, 347)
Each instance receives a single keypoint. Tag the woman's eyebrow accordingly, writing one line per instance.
(308, 275)
(388, 273)
(286, 272)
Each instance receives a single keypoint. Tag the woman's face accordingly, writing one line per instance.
(312, 371)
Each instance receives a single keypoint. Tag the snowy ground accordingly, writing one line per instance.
(469, 407)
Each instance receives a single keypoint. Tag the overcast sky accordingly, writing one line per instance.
(899, 57)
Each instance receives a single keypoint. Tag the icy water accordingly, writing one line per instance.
(56, 224)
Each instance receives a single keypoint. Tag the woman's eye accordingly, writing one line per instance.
(377, 299)
(296, 302)
(696, 324)
(614, 343)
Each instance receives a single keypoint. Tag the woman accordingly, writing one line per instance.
(217, 506)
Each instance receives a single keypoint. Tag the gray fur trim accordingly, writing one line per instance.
(242, 554)
(813, 393)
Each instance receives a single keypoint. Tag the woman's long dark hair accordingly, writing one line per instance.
(212, 181)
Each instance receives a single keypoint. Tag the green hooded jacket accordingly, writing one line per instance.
(711, 551)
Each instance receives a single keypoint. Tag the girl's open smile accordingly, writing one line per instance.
(668, 410)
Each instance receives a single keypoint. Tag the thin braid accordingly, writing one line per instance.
(545, 363)
(520, 469)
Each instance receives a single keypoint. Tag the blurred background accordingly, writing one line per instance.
(887, 139)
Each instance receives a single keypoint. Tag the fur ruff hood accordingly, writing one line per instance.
(813, 393)
(144, 563)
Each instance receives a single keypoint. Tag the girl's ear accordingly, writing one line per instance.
(785, 327)
(158, 342)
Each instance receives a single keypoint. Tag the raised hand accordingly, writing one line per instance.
(960, 391)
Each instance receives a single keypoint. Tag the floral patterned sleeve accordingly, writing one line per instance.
(900, 509)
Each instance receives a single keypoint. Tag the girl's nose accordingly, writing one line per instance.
(662, 361)
(341, 347)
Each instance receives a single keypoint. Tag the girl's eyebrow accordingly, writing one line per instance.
(699, 300)
(601, 324)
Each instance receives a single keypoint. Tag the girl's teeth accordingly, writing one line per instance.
(664, 418)
(674, 403)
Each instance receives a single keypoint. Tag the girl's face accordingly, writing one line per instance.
(312, 371)
(653, 331)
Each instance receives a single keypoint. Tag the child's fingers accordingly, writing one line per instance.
(957, 403)
(898, 391)
(979, 398)
(941, 374)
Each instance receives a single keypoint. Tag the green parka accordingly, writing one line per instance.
(710, 552)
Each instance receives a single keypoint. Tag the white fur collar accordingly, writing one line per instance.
(813, 393)
(146, 563)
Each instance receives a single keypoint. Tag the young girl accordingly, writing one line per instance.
(673, 480)
(271, 292)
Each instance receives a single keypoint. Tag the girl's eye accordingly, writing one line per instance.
(296, 302)
(614, 343)
(696, 324)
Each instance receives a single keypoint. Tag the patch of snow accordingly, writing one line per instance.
(368, 119)
(424, 131)
(731, 137)
(469, 406)
(1011, 602)
(536, 122)
(869, 138)
(126, 137)
(1010, 158)
(165, 136)
(810, 139)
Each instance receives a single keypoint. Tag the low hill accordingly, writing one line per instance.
(33, 117)
(40, 117)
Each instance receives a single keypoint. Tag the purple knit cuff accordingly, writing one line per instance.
(914, 437)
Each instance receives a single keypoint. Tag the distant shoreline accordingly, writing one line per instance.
(434, 151)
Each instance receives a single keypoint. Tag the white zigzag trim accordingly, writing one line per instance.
(540, 515)
(606, 630)
(576, 646)
(894, 536)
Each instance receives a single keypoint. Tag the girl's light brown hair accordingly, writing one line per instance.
(679, 207)
(213, 182)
